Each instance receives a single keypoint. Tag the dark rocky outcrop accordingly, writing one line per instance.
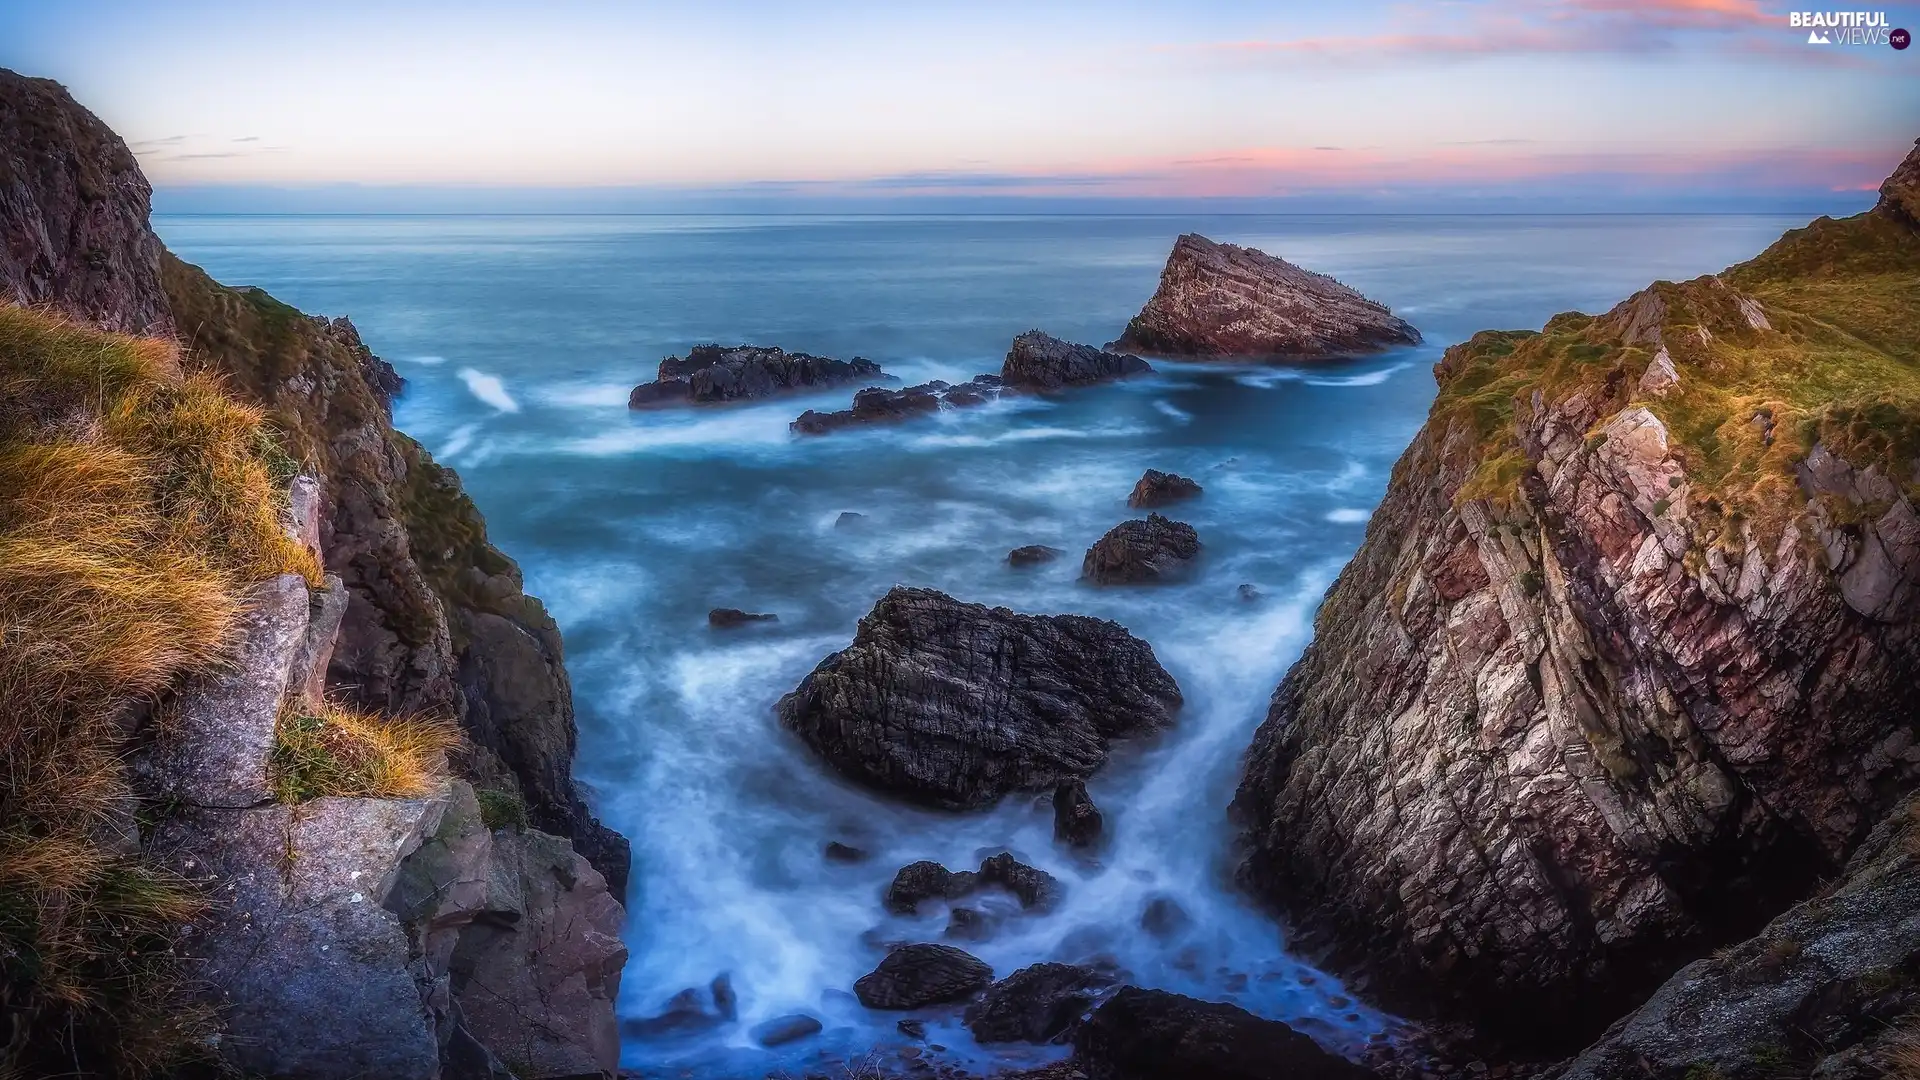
(73, 213)
(915, 975)
(726, 618)
(1828, 989)
(1040, 362)
(1221, 300)
(1158, 488)
(880, 405)
(717, 374)
(782, 1030)
(1149, 549)
(926, 880)
(1036, 1004)
(1077, 822)
(953, 705)
(1033, 555)
(1153, 1035)
(1606, 685)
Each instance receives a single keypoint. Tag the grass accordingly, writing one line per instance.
(342, 751)
(137, 503)
(501, 809)
(1839, 365)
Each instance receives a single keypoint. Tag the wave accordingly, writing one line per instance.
(490, 389)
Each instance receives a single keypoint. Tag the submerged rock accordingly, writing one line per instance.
(953, 705)
(880, 405)
(726, 618)
(1036, 1004)
(836, 851)
(1221, 300)
(1153, 1035)
(926, 880)
(1033, 555)
(923, 974)
(714, 374)
(1077, 822)
(849, 519)
(1154, 548)
(1158, 488)
(782, 1030)
(1041, 362)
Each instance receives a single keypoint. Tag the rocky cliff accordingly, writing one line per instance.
(417, 615)
(1626, 661)
(1223, 300)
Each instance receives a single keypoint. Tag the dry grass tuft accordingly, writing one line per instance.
(342, 751)
(137, 503)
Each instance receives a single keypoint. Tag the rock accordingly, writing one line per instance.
(953, 705)
(296, 931)
(969, 924)
(1900, 192)
(1143, 550)
(879, 405)
(1547, 743)
(1158, 488)
(836, 851)
(714, 374)
(1660, 376)
(1164, 918)
(687, 1012)
(1035, 888)
(1248, 593)
(1076, 820)
(726, 618)
(214, 742)
(308, 669)
(1040, 362)
(912, 1029)
(926, 880)
(849, 519)
(916, 975)
(1153, 1035)
(74, 209)
(1033, 555)
(784, 1029)
(1824, 986)
(1220, 300)
(1036, 1004)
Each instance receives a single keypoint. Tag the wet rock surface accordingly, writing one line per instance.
(1040, 362)
(1222, 300)
(716, 374)
(919, 882)
(915, 975)
(1153, 1035)
(1077, 822)
(1033, 555)
(881, 405)
(953, 704)
(1141, 551)
(726, 618)
(1036, 1004)
(1156, 489)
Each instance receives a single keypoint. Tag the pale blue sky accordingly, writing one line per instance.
(1215, 98)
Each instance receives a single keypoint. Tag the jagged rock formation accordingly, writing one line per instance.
(1156, 489)
(1036, 1004)
(1042, 363)
(880, 405)
(1153, 1035)
(419, 614)
(1616, 674)
(715, 374)
(954, 705)
(1829, 989)
(73, 213)
(1144, 550)
(1077, 822)
(916, 883)
(1221, 300)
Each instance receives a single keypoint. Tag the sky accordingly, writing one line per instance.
(572, 103)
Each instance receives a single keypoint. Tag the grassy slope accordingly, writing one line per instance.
(1841, 366)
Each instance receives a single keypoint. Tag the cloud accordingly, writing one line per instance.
(248, 138)
(156, 144)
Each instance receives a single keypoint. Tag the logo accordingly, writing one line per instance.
(1844, 27)
(1900, 39)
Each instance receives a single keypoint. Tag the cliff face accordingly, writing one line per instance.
(1626, 660)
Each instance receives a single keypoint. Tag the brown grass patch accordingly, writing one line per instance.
(342, 751)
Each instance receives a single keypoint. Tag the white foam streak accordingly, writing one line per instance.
(490, 389)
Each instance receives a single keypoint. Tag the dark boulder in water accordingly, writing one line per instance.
(1150, 549)
(1153, 1035)
(880, 405)
(1033, 555)
(926, 880)
(1077, 822)
(726, 618)
(784, 1029)
(922, 974)
(1041, 362)
(715, 374)
(835, 851)
(1037, 889)
(1036, 1004)
(953, 705)
(1158, 488)
(849, 519)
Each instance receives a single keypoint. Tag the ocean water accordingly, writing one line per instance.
(520, 337)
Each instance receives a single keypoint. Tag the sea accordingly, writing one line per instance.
(520, 338)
